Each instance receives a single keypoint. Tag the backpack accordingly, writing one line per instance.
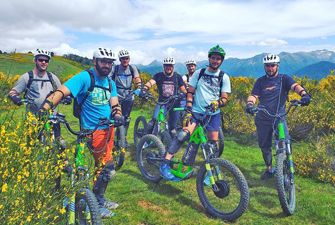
(77, 106)
(31, 79)
(116, 70)
(220, 77)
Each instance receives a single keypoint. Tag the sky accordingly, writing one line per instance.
(154, 29)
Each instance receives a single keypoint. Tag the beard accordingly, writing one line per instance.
(103, 71)
(271, 74)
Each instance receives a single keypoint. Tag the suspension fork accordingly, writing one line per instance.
(211, 171)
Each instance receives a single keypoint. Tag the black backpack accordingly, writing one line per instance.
(220, 77)
(31, 79)
(77, 106)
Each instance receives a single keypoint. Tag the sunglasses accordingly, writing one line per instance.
(125, 58)
(106, 61)
(270, 65)
(43, 60)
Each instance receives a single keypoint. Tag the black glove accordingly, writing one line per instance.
(305, 99)
(143, 93)
(119, 121)
(250, 109)
(16, 99)
(67, 100)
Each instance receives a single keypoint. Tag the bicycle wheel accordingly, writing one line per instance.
(87, 208)
(228, 198)
(120, 147)
(285, 184)
(140, 128)
(149, 153)
(221, 143)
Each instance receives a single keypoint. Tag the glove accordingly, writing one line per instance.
(16, 99)
(137, 92)
(119, 121)
(305, 99)
(250, 109)
(67, 100)
(188, 116)
(143, 93)
(214, 106)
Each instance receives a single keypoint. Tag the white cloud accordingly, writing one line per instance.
(153, 29)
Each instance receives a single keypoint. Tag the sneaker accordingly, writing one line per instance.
(105, 213)
(165, 172)
(207, 181)
(268, 174)
(110, 205)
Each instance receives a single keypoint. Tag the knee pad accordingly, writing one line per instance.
(183, 135)
(108, 172)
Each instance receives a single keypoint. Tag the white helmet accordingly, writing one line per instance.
(103, 53)
(123, 53)
(271, 58)
(39, 52)
(168, 61)
(191, 61)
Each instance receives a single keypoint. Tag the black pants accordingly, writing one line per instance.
(265, 131)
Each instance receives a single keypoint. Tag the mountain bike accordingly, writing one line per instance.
(82, 207)
(284, 175)
(160, 126)
(226, 197)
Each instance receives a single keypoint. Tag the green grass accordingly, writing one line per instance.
(20, 63)
(142, 202)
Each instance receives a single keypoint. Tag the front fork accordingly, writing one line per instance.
(284, 146)
(208, 153)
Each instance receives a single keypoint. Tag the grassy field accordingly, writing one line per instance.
(142, 202)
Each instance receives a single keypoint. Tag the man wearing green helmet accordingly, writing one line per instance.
(208, 88)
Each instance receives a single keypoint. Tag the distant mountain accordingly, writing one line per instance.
(291, 64)
(317, 70)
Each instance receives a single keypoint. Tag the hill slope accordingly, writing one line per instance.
(20, 63)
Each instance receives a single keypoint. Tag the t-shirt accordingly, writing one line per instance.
(123, 80)
(38, 90)
(270, 91)
(207, 89)
(166, 85)
(97, 103)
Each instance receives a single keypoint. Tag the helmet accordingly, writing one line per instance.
(103, 53)
(271, 58)
(39, 52)
(191, 61)
(217, 50)
(123, 53)
(168, 61)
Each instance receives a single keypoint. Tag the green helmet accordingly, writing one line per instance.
(217, 50)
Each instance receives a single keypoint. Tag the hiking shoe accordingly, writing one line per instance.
(105, 213)
(166, 172)
(268, 174)
(110, 205)
(207, 181)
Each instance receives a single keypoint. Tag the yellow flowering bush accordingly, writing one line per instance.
(28, 171)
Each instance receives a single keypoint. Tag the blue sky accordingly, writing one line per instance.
(153, 29)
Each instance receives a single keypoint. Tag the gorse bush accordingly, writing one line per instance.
(28, 172)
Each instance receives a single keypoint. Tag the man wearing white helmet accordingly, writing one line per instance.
(101, 102)
(191, 65)
(272, 92)
(168, 83)
(36, 84)
(124, 75)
